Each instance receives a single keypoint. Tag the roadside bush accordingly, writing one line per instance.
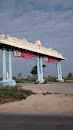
(45, 81)
(68, 80)
(23, 80)
(16, 93)
(50, 79)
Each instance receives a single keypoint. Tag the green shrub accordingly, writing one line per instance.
(50, 79)
(45, 81)
(23, 80)
(16, 93)
(47, 93)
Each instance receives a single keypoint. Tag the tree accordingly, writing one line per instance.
(69, 75)
(20, 74)
(34, 70)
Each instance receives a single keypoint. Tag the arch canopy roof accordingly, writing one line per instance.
(25, 45)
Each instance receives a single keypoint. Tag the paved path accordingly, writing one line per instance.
(63, 88)
(36, 122)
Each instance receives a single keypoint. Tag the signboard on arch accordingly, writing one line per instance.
(24, 54)
(49, 59)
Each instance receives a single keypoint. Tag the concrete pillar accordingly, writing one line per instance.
(38, 69)
(10, 65)
(4, 64)
(5, 81)
(59, 71)
(41, 69)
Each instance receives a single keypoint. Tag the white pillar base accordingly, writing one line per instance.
(40, 81)
(60, 80)
(7, 83)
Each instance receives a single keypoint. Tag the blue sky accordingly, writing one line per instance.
(50, 21)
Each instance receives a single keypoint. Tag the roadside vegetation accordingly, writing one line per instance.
(69, 78)
(33, 79)
(8, 94)
(49, 93)
(46, 80)
(23, 80)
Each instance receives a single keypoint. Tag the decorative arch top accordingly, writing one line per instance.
(24, 44)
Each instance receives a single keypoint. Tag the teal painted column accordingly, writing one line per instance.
(59, 71)
(11, 82)
(5, 81)
(41, 69)
(4, 64)
(38, 70)
(10, 66)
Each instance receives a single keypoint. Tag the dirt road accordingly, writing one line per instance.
(43, 104)
(63, 88)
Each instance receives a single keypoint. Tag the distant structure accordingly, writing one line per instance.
(22, 48)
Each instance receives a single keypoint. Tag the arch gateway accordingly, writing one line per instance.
(22, 48)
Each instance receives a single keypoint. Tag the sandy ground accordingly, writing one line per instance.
(63, 88)
(43, 104)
